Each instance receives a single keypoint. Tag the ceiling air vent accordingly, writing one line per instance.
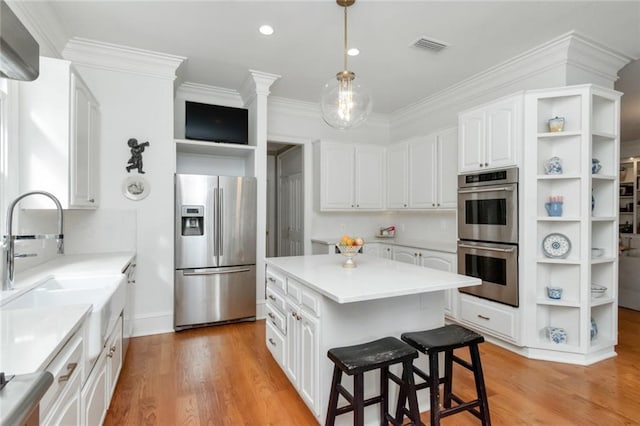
(429, 44)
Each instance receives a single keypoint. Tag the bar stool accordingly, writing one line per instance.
(358, 359)
(446, 339)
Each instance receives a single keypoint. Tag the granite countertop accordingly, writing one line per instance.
(445, 247)
(373, 278)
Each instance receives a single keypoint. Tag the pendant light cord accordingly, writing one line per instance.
(345, 38)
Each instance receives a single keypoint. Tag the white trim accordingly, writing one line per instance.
(42, 22)
(152, 323)
(108, 56)
(202, 92)
(568, 49)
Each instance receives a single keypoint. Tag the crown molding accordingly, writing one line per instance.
(313, 110)
(113, 57)
(569, 49)
(212, 94)
(256, 83)
(42, 22)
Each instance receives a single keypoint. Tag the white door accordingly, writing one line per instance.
(398, 176)
(471, 143)
(447, 173)
(370, 176)
(337, 176)
(501, 134)
(291, 366)
(404, 255)
(271, 206)
(80, 144)
(290, 214)
(309, 368)
(423, 158)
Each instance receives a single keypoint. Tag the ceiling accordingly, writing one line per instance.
(221, 40)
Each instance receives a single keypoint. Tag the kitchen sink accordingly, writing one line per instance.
(105, 293)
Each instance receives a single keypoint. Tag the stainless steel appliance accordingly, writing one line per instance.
(496, 265)
(215, 250)
(488, 206)
(488, 233)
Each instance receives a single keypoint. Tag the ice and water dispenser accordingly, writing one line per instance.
(192, 220)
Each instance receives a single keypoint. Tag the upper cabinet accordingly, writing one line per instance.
(419, 172)
(489, 136)
(59, 132)
(351, 176)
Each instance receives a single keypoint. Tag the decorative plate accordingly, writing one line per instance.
(135, 188)
(556, 246)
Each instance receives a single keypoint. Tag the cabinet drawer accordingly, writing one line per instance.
(64, 367)
(275, 280)
(492, 318)
(310, 300)
(275, 343)
(276, 318)
(294, 289)
(275, 300)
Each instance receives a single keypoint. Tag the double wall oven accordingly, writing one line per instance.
(488, 233)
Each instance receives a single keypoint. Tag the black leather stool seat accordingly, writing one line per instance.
(371, 355)
(375, 355)
(442, 339)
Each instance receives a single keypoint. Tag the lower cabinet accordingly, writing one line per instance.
(493, 318)
(99, 387)
(292, 335)
(61, 403)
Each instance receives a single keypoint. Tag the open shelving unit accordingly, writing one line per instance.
(213, 158)
(629, 196)
(589, 220)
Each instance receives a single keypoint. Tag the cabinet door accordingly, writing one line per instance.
(83, 145)
(370, 177)
(436, 262)
(374, 249)
(423, 172)
(66, 411)
(94, 393)
(405, 255)
(398, 176)
(502, 133)
(337, 176)
(309, 368)
(386, 252)
(291, 346)
(447, 174)
(471, 142)
(114, 357)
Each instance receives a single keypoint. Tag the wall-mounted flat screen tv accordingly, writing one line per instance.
(216, 123)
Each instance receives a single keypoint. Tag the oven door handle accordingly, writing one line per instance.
(501, 250)
(472, 191)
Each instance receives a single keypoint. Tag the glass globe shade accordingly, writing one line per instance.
(345, 103)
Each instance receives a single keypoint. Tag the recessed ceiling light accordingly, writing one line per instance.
(266, 29)
(353, 51)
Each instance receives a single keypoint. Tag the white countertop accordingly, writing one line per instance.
(30, 338)
(373, 278)
(68, 265)
(446, 247)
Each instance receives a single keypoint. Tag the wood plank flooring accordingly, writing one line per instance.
(226, 376)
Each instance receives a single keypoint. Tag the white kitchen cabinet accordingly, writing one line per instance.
(292, 334)
(378, 249)
(59, 131)
(419, 172)
(98, 389)
(61, 403)
(351, 176)
(490, 135)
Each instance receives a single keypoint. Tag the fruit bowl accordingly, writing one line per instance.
(349, 252)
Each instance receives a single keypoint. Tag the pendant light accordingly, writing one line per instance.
(345, 104)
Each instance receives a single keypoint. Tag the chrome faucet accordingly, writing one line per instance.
(8, 245)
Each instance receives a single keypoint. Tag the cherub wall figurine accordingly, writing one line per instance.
(135, 162)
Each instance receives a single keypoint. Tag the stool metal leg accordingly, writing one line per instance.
(480, 386)
(358, 400)
(448, 378)
(333, 397)
(434, 389)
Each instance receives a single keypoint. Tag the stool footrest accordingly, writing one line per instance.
(464, 406)
(462, 362)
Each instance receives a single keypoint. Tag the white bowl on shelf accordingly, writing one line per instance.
(598, 290)
(597, 252)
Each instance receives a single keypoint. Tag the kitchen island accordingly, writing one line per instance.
(314, 304)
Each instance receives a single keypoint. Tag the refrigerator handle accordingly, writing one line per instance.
(220, 221)
(215, 222)
(213, 271)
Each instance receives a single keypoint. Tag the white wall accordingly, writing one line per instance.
(137, 106)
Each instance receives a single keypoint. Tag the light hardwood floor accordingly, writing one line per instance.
(225, 376)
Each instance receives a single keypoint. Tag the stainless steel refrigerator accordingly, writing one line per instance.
(215, 250)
